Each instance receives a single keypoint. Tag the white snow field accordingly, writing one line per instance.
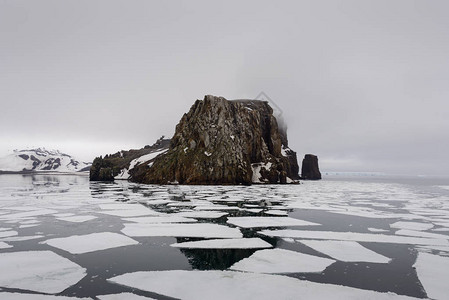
(78, 244)
(346, 251)
(282, 261)
(40, 271)
(433, 272)
(218, 285)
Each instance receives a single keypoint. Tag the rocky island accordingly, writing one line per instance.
(218, 141)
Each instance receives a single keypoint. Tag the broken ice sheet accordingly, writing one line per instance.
(123, 296)
(354, 236)
(202, 230)
(433, 272)
(17, 296)
(40, 271)
(225, 285)
(249, 243)
(161, 219)
(130, 212)
(204, 214)
(411, 225)
(346, 251)
(79, 244)
(8, 233)
(282, 261)
(4, 245)
(257, 222)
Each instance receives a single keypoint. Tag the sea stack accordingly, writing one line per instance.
(310, 169)
(224, 142)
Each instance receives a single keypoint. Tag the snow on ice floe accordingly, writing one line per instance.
(40, 271)
(4, 245)
(21, 238)
(123, 296)
(9, 233)
(17, 296)
(411, 225)
(257, 222)
(225, 285)
(282, 261)
(130, 212)
(171, 218)
(202, 214)
(77, 219)
(79, 244)
(377, 229)
(276, 212)
(27, 214)
(354, 236)
(201, 230)
(423, 234)
(346, 251)
(433, 272)
(249, 243)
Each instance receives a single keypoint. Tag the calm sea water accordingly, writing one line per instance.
(353, 204)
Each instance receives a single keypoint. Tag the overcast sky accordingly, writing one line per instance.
(362, 84)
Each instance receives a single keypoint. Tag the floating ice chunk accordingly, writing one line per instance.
(276, 212)
(282, 261)
(411, 225)
(77, 219)
(346, 251)
(17, 296)
(216, 207)
(121, 206)
(203, 230)
(250, 243)
(40, 271)
(257, 222)
(354, 236)
(204, 214)
(7, 233)
(433, 272)
(28, 226)
(4, 245)
(78, 244)
(62, 215)
(27, 214)
(130, 212)
(377, 230)
(5, 229)
(225, 285)
(421, 234)
(21, 238)
(253, 210)
(122, 296)
(161, 219)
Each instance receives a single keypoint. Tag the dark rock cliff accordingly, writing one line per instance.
(108, 167)
(310, 169)
(224, 142)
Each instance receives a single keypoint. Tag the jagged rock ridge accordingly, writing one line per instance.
(40, 160)
(224, 142)
(121, 165)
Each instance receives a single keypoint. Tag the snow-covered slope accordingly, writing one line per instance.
(41, 160)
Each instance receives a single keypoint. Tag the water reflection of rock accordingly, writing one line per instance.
(214, 259)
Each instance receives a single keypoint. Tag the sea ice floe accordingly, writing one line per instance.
(423, 234)
(249, 243)
(77, 219)
(130, 212)
(78, 244)
(4, 245)
(411, 225)
(21, 238)
(5, 229)
(123, 296)
(27, 214)
(225, 285)
(17, 296)
(282, 261)
(203, 230)
(8, 233)
(40, 271)
(63, 215)
(276, 212)
(354, 236)
(258, 222)
(346, 251)
(28, 226)
(171, 218)
(203, 214)
(433, 272)
(121, 206)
